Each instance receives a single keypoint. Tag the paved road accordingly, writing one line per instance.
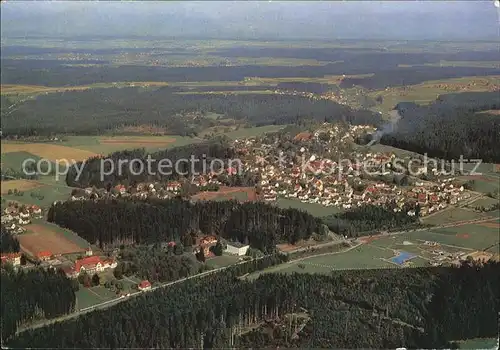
(109, 303)
(112, 302)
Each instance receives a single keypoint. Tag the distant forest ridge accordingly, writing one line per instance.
(386, 70)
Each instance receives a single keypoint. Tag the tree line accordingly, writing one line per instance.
(33, 295)
(389, 308)
(115, 222)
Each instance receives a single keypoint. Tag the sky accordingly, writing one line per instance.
(410, 20)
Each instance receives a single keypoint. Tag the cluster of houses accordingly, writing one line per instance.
(440, 257)
(310, 178)
(16, 216)
(143, 190)
(12, 258)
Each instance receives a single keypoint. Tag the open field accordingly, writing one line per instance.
(253, 132)
(87, 297)
(241, 194)
(462, 238)
(488, 182)
(228, 92)
(490, 111)
(14, 160)
(222, 261)
(452, 215)
(21, 185)
(427, 92)
(361, 257)
(313, 208)
(14, 89)
(392, 251)
(48, 151)
(41, 237)
(95, 144)
(483, 202)
(485, 64)
(484, 169)
(48, 187)
(478, 343)
(134, 142)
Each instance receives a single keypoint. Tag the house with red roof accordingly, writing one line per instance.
(121, 189)
(231, 171)
(44, 255)
(303, 136)
(13, 258)
(90, 264)
(144, 285)
(422, 198)
(173, 186)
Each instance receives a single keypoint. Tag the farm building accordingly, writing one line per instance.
(90, 264)
(144, 285)
(237, 248)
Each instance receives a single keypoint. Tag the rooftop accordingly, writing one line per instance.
(237, 244)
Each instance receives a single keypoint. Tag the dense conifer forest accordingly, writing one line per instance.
(8, 243)
(450, 127)
(159, 263)
(111, 108)
(31, 295)
(116, 222)
(413, 308)
(160, 170)
(370, 218)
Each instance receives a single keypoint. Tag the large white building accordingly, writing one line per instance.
(237, 248)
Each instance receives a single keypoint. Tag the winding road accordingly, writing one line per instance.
(116, 301)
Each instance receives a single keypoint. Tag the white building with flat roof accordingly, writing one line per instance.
(237, 248)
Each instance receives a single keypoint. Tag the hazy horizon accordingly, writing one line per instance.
(410, 20)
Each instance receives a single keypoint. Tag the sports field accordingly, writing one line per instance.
(44, 236)
(461, 238)
(417, 248)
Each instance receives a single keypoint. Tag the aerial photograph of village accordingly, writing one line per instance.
(250, 174)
